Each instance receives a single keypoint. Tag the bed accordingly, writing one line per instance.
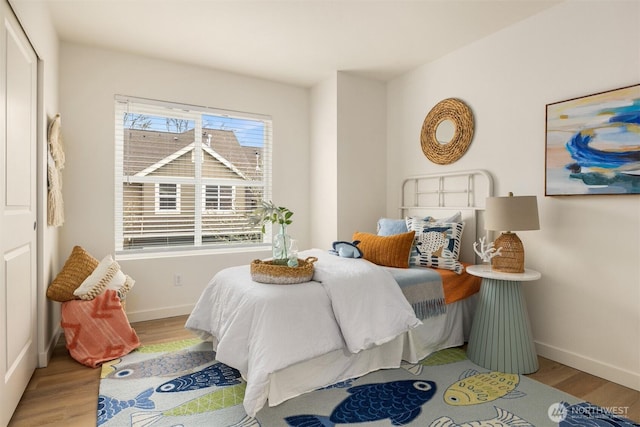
(290, 340)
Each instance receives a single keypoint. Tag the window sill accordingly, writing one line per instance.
(124, 256)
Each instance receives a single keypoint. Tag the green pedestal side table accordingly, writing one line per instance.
(501, 338)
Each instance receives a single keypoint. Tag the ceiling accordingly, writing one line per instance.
(298, 42)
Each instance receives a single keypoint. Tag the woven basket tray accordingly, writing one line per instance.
(267, 272)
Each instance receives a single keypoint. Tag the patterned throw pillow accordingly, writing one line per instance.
(391, 226)
(107, 275)
(436, 244)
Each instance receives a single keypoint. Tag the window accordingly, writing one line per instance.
(218, 198)
(188, 177)
(167, 198)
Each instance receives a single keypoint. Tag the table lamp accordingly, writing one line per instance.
(508, 214)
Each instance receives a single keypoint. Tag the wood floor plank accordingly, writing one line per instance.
(580, 385)
(618, 399)
(552, 373)
(65, 393)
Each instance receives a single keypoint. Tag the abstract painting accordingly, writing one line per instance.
(593, 144)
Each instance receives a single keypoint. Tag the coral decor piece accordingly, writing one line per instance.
(487, 251)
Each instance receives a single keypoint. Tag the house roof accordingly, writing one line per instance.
(225, 143)
(148, 150)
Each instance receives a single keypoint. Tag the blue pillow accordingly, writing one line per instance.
(389, 227)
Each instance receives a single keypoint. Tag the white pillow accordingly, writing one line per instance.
(107, 275)
(456, 217)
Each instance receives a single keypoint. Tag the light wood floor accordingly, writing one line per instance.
(65, 393)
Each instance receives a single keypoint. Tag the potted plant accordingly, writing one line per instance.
(269, 212)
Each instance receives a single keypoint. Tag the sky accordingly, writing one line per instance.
(248, 132)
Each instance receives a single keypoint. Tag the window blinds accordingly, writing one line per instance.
(187, 176)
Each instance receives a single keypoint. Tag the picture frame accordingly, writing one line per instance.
(592, 144)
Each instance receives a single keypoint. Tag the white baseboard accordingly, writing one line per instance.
(45, 355)
(591, 366)
(160, 313)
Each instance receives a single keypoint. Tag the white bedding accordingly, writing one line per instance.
(359, 289)
(250, 323)
(450, 329)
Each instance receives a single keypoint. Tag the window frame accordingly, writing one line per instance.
(200, 211)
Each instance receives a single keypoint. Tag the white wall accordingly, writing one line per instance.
(324, 163)
(37, 25)
(348, 137)
(585, 311)
(89, 79)
(361, 154)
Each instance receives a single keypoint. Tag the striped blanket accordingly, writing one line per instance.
(428, 290)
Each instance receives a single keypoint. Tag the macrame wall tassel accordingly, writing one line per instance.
(55, 204)
(55, 143)
(55, 164)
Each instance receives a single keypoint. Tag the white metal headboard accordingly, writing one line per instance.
(443, 194)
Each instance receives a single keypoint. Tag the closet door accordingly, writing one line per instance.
(18, 98)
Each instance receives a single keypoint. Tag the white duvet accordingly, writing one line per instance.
(259, 328)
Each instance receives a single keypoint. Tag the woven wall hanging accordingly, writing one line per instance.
(445, 152)
(55, 164)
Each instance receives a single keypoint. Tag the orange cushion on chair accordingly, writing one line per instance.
(97, 330)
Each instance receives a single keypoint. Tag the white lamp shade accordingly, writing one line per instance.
(511, 213)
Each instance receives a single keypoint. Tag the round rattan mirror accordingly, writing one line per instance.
(444, 113)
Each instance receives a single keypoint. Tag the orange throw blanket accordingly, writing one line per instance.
(458, 286)
(97, 330)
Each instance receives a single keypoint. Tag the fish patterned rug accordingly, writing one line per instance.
(181, 384)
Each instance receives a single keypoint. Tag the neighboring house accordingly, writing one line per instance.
(160, 206)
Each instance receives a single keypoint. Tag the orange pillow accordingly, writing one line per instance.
(390, 251)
